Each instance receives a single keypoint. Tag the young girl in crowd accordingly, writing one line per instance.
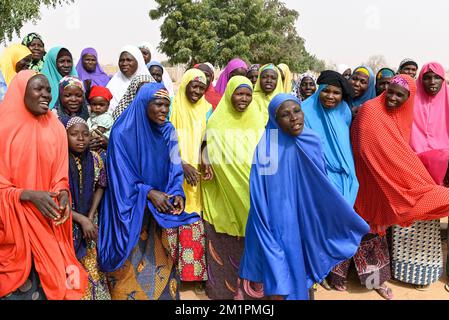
(87, 179)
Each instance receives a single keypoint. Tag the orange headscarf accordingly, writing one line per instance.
(34, 156)
(395, 187)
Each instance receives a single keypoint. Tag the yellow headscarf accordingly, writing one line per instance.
(9, 59)
(288, 86)
(190, 122)
(232, 138)
(260, 98)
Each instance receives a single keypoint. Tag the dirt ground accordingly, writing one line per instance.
(357, 292)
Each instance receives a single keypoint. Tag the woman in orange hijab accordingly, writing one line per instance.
(37, 258)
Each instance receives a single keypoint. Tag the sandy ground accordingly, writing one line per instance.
(357, 292)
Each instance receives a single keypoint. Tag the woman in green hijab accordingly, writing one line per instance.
(233, 132)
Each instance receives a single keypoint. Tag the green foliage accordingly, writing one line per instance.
(15, 13)
(258, 31)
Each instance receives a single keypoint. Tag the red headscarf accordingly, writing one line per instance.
(395, 187)
(34, 156)
(98, 91)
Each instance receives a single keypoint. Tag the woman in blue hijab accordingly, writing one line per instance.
(363, 81)
(143, 201)
(299, 225)
(328, 114)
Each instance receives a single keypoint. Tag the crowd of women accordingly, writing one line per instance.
(254, 186)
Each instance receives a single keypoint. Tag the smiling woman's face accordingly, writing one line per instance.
(195, 91)
(72, 99)
(38, 95)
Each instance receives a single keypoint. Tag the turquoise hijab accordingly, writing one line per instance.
(50, 70)
(333, 128)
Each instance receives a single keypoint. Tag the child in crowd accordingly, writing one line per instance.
(100, 121)
(87, 178)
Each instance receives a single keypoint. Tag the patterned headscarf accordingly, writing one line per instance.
(400, 81)
(385, 73)
(296, 89)
(73, 121)
(131, 93)
(39, 64)
(62, 115)
(253, 67)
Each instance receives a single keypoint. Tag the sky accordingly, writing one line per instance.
(338, 31)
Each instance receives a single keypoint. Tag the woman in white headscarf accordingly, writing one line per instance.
(131, 65)
(149, 54)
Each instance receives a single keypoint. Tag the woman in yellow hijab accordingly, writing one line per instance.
(15, 58)
(287, 77)
(233, 132)
(268, 85)
(189, 115)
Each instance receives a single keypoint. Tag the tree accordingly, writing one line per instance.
(376, 62)
(259, 31)
(15, 13)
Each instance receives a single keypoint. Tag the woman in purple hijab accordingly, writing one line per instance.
(90, 71)
(235, 67)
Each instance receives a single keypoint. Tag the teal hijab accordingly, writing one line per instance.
(50, 70)
(333, 127)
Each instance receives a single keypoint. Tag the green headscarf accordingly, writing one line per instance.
(36, 65)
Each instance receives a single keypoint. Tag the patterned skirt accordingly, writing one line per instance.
(187, 244)
(30, 290)
(372, 262)
(223, 261)
(98, 284)
(149, 272)
(417, 254)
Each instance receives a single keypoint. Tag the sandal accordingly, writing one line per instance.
(326, 285)
(341, 288)
(385, 292)
(422, 287)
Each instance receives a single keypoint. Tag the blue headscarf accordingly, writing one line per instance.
(142, 156)
(333, 127)
(299, 226)
(369, 94)
(155, 64)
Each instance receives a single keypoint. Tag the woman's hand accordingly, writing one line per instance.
(161, 201)
(208, 172)
(179, 205)
(44, 202)
(191, 175)
(64, 207)
(206, 167)
(100, 142)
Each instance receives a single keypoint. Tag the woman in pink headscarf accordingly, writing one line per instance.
(235, 67)
(417, 251)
